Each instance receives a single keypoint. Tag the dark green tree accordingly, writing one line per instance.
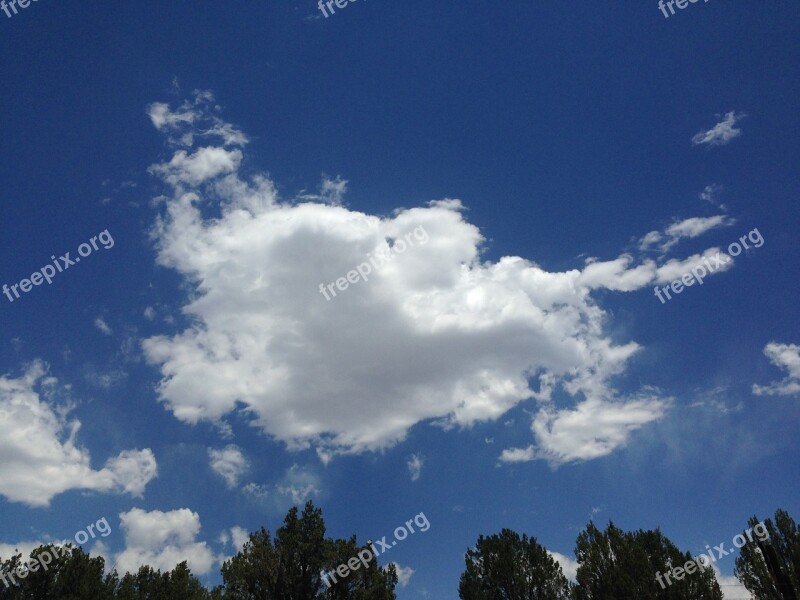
(506, 567)
(618, 564)
(301, 545)
(253, 573)
(55, 572)
(370, 583)
(290, 567)
(769, 565)
(149, 584)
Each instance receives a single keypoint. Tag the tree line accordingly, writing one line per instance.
(612, 565)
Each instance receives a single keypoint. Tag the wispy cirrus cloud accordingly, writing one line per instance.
(687, 228)
(415, 463)
(722, 133)
(101, 324)
(711, 194)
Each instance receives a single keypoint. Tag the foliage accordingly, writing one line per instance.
(770, 569)
(506, 566)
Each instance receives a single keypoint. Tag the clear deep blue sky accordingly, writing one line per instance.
(565, 130)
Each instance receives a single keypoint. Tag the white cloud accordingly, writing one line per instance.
(298, 485)
(259, 492)
(568, 565)
(716, 261)
(149, 313)
(513, 455)
(239, 537)
(194, 118)
(711, 194)
(104, 379)
(295, 486)
(722, 133)
(196, 168)
(403, 574)
(415, 463)
(100, 323)
(39, 455)
(162, 540)
(229, 463)
(785, 356)
(133, 469)
(732, 589)
(331, 191)
(594, 428)
(24, 548)
(162, 117)
(235, 537)
(438, 335)
(688, 228)
(695, 226)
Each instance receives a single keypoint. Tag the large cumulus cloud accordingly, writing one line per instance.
(435, 334)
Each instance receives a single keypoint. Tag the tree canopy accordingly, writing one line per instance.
(769, 567)
(299, 562)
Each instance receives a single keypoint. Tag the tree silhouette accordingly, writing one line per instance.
(769, 566)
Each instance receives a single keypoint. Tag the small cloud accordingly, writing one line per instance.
(688, 228)
(132, 470)
(711, 194)
(258, 492)
(733, 588)
(229, 463)
(722, 133)
(596, 510)
(236, 536)
(331, 191)
(162, 540)
(239, 537)
(105, 380)
(149, 313)
(568, 565)
(298, 485)
(100, 323)
(415, 464)
(514, 455)
(403, 574)
(39, 437)
(787, 357)
(715, 398)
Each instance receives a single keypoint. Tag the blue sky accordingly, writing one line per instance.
(192, 380)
